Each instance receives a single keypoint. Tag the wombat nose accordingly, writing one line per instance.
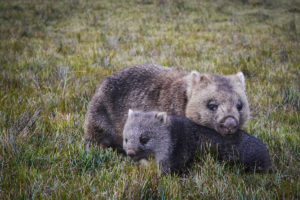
(131, 153)
(229, 124)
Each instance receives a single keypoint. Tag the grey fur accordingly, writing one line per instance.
(173, 141)
(153, 87)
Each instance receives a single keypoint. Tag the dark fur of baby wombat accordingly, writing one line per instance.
(173, 141)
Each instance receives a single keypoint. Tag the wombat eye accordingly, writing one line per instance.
(239, 106)
(212, 105)
(143, 140)
(126, 140)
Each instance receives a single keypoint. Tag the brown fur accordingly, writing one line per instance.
(152, 87)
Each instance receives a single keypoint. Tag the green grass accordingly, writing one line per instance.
(54, 53)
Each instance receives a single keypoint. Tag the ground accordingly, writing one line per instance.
(54, 53)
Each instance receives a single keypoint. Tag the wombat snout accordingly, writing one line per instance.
(228, 125)
(131, 153)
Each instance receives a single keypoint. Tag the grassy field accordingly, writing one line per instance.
(54, 53)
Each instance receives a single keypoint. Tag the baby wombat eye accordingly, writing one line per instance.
(126, 140)
(239, 106)
(212, 105)
(144, 140)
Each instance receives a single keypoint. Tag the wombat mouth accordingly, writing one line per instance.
(135, 158)
(225, 132)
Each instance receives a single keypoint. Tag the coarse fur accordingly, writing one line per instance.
(173, 141)
(214, 101)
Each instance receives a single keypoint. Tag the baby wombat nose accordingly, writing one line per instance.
(131, 153)
(229, 126)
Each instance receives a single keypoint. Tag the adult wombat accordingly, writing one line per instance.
(173, 141)
(217, 102)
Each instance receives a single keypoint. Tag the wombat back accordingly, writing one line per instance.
(253, 153)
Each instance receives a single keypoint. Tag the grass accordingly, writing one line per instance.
(54, 53)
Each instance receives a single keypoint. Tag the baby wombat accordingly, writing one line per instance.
(173, 141)
(214, 101)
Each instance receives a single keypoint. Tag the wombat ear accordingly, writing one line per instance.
(241, 77)
(130, 113)
(195, 77)
(162, 117)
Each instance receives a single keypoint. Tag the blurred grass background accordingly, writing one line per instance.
(54, 53)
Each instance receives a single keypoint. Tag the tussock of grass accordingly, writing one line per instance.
(53, 54)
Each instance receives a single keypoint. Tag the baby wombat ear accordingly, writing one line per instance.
(130, 113)
(162, 117)
(241, 77)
